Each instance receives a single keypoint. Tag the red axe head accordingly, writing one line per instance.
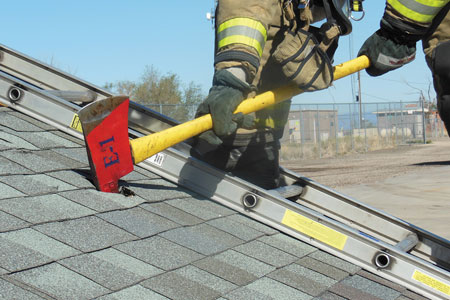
(105, 128)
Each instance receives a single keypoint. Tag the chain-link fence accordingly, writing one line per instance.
(328, 130)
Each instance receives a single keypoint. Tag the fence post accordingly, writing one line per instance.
(401, 120)
(424, 128)
(378, 123)
(302, 133)
(386, 126)
(336, 125)
(365, 127)
(435, 127)
(318, 131)
(351, 126)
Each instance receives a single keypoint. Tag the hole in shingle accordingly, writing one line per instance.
(126, 191)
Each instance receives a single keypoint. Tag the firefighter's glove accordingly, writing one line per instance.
(386, 52)
(224, 96)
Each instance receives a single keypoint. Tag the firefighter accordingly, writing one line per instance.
(404, 23)
(262, 45)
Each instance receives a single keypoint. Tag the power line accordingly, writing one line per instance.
(394, 80)
(377, 97)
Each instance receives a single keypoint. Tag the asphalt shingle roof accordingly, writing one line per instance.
(62, 239)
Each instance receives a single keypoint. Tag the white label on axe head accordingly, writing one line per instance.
(157, 159)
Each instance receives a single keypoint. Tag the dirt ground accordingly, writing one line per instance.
(411, 182)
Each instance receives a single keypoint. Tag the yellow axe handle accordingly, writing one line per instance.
(146, 146)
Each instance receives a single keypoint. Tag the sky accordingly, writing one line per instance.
(104, 41)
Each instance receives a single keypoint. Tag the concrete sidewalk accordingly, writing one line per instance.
(421, 198)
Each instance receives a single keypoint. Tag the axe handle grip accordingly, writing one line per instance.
(147, 146)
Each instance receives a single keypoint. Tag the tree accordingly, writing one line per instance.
(163, 93)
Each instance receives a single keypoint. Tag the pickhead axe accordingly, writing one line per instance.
(112, 154)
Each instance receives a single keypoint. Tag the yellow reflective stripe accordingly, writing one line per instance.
(269, 122)
(242, 31)
(241, 39)
(417, 16)
(244, 22)
(433, 3)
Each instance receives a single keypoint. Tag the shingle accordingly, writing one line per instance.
(175, 286)
(272, 289)
(31, 120)
(413, 296)
(60, 282)
(39, 242)
(136, 292)
(405, 298)
(44, 208)
(86, 234)
(8, 167)
(41, 161)
(11, 141)
(335, 261)
(172, 213)
(72, 177)
(124, 261)
(322, 268)
(351, 293)
(329, 296)
(202, 238)
(160, 252)
(378, 279)
(102, 272)
(371, 287)
(69, 137)
(148, 174)
(239, 230)
(242, 219)
(247, 263)
(100, 201)
(78, 154)
(226, 271)
(36, 184)
(201, 208)
(303, 279)
(10, 291)
(288, 244)
(45, 140)
(8, 192)
(156, 190)
(246, 294)
(15, 257)
(138, 221)
(266, 253)
(207, 279)
(135, 176)
(10, 120)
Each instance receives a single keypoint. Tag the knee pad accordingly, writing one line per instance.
(441, 67)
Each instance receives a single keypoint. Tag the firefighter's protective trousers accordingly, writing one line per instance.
(436, 46)
(247, 34)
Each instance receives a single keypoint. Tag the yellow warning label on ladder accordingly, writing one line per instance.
(314, 229)
(76, 124)
(431, 282)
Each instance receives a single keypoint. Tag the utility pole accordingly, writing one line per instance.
(424, 129)
(360, 101)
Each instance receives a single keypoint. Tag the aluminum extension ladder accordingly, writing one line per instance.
(387, 246)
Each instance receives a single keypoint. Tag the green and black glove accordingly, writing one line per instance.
(389, 48)
(224, 96)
